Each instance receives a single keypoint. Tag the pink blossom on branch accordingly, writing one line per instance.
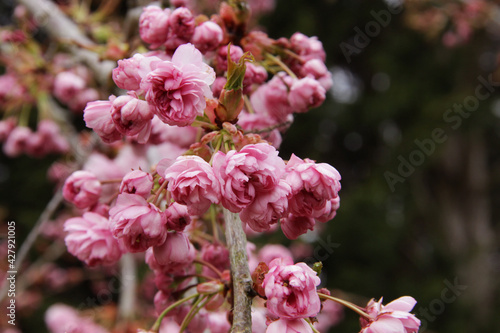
(391, 318)
(132, 116)
(176, 90)
(131, 71)
(137, 182)
(82, 188)
(90, 239)
(291, 290)
(97, 116)
(153, 25)
(207, 36)
(192, 182)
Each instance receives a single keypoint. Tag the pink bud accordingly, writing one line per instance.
(129, 73)
(306, 93)
(176, 251)
(153, 25)
(179, 217)
(132, 116)
(97, 116)
(207, 36)
(67, 85)
(210, 287)
(82, 188)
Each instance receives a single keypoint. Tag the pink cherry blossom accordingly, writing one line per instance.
(132, 116)
(181, 28)
(90, 239)
(313, 186)
(82, 98)
(180, 136)
(391, 318)
(207, 36)
(267, 208)
(179, 217)
(176, 252)
(270, 252)
(289, 326)
(271, 98)
(97, 116)
(316, 69)
(6, 126)
(153, 25)
(293, 226)
(137, 223)
(129, 73)
(254, 74)
(82, 189)
(67, 85)
(258, 121)
(221, 58)
(137, 182)
(176, 90)
(243, 175)
(291, 290)
(307, 47)
(17, 141)
(192, 182)
(306, 93)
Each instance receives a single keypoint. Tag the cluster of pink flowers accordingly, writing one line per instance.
(19, 140)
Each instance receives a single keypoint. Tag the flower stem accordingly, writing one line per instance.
(312, 327)
(209, 265)
(280, 63)
(240, 274)
(347, 304)
(156, 325)
(194, 310)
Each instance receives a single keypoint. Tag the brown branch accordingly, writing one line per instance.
(240, 273)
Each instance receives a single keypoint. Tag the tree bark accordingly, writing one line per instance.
(240, 273)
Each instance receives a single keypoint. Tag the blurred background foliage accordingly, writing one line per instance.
(437, 226)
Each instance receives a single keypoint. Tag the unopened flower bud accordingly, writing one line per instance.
(210, 287)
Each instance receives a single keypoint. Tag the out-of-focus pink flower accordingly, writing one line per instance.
(180, 136)
(218, 85)
(243, 175)
(192, 182)
(153, 25)
(90, 239)
(137, 182)
(272, 251)
(267, 208)
(289, 326)
(67, 85)
(179, 217)
(331, 314)
(10, 89)
(97, 116)
(393, 317)
(138, 223)
(17, 141)
(254, 74)
(221, 58)
(82, 189)
(61, 318)
(217, 255)
(51, 136)
(207, 36)
(132, 116)
(313, 186)
(257, 121)
(218, 322)
(291, 290)
(129, 73)
(81, 100)
(6, 126)
(306, 93)
(307, 47)
(181, 28)
(271, 98)
(316, 69)
(176, 252)
(293, 226)
(177, 90)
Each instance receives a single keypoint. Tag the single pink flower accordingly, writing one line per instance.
(138, 223)
(181, 26)
(176, 252)
(97, 116)
(17, 142)
(50, 134)
(267, 208)
(153, 25)
(180, 136)
(176, 90)
(6, 126)
(207, 36)
(291, 290)
(132, 116)
(82, 189)
(272, 98)
(306, 93)
(179, 217)
(137, 182)
(293, 226)
(254, 74)
(313, 187)
(316, 69)
(244, 175)
(307, 47)
(131, 71)
(192, 182)
(67, 85)
(90, 239)
(289, 326)
(391, 318)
